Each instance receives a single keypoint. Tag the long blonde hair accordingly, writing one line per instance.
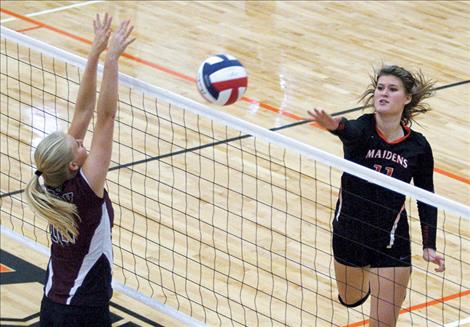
(52, 157)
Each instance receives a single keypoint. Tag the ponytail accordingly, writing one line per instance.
(52, 157)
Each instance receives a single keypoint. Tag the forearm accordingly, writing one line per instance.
(428, 232)
(107, 102)
(428, 218)
(347, 131)
(424, 179)
(86, 98)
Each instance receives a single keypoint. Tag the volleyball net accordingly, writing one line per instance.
(224, 221)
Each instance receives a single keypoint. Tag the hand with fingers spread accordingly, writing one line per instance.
(102, 31)
(120, 40)
(324, 119)
(430, 255)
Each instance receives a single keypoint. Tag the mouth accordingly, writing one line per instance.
(383, 102)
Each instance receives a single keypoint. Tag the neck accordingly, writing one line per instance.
(389, 126)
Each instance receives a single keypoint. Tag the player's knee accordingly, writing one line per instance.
(354, 304)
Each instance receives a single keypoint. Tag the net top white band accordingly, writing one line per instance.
(254, 130)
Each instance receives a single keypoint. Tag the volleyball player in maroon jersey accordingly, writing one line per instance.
(78, 287)
(371, 242)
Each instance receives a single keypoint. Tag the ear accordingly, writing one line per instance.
(73, 166)
(409, 97)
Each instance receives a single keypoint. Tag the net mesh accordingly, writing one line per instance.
(228, 232)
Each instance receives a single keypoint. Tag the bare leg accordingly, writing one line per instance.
(352, 282)
(388, 289)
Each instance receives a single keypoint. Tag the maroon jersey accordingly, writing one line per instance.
(80, 273)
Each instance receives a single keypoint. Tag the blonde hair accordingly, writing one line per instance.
(52, 157)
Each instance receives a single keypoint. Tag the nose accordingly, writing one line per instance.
(384, 92)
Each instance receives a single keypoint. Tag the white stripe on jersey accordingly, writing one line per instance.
(394, 228)
(49, 279)
(107, 241)
(99, 245)
(340, 204)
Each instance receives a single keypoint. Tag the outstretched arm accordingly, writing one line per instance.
(349, 131)
(86, 98)
(96, 165)
(324, 119)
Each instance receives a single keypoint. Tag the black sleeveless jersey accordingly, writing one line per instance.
(408, 158)
(80, 273)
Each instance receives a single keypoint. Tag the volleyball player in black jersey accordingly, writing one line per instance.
(73, 200)
(371, 243)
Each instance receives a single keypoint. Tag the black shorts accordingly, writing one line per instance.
(356, 250)
(61, 315)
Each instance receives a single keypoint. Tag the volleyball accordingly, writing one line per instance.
(221, 79)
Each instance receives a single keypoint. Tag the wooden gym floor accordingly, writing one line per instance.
(298, 54)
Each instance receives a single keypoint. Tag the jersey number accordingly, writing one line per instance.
(388, 170)
(57, 237)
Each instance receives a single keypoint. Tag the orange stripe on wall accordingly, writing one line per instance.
(190, 79)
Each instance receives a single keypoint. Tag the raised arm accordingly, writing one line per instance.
(86, 98)
(97, 163)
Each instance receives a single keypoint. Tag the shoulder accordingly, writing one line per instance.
(81, 190)
(420, 144)
(364, 120)
(419, 138)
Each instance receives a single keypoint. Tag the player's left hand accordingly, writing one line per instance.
(120, 40)
(430, 255)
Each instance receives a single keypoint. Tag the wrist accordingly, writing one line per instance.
(112, 56)
(341, 125)
(94, 54)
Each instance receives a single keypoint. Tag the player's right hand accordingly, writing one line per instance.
(102, 31)
(324, 119)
